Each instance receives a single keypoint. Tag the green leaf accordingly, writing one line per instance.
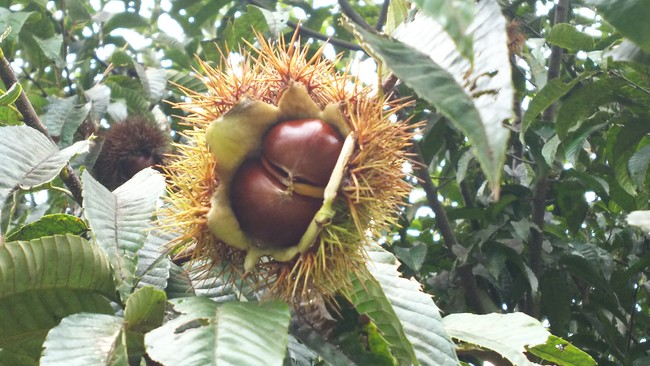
(638, 164)
(135, 99)
(49, 225)
(550, 93)
(144, 311)
(583, 103)
(30, 165)
(179, 79)
(179, 284)
(218, 284)
(299, 354)
(153, 81)
(120, 219)
(572, 203)
(549, 151)
(10, 117)
(78, 10)
(576, 141)
(478, 98)
(630, 17)
(125, 20)
(276, 20)
(556, 299)
(507, 334)
(627, 51)
(397, 13)
(26, 353)
(153, 262)
(57, 113)
(13, 19)
(330, 352)
(340, 334)
(77, 115)
(369, 298)
(621, 145)
(413, 257)
(408, 318)
(44, 280)
(51, 47)
(244, 27)
(86, 339)
(11, 95)
(233, 333)
(121, 58)
(455, 18)
(567, 36)
(415, 311)
(562, 353)
(100, 96)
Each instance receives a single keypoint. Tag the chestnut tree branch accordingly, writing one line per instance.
(313, 33)
(383, 15)
(349, 11)
(30, 118)
(467, 278)
(334, 41)
(541, 187)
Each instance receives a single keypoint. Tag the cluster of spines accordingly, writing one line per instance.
(370, 199)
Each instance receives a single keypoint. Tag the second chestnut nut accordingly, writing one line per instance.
(276, 195)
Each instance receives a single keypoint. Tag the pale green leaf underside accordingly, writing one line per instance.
(416, 311)
(120, 219)
(30, 159)
(233, 333)
(153, 263)
(430, 64)
(455, 17)
(85, 339)
(153, 81)
(507, 334)
(57, 112)
(100, 97)
(369, 298)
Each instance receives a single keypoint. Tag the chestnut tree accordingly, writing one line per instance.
(520, 238)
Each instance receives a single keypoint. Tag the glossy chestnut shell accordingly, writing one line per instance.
(264, 198)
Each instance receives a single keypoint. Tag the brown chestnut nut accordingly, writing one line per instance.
(306, 150)
(268, 205)
(266, 210)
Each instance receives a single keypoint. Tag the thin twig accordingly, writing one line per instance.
(349, 11)
(30, 118)
(467, 278)
(383, 15)
(313, 33)
(331, 40)
(629, 82)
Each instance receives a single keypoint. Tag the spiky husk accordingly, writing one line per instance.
(134, 136)
(369, 201)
